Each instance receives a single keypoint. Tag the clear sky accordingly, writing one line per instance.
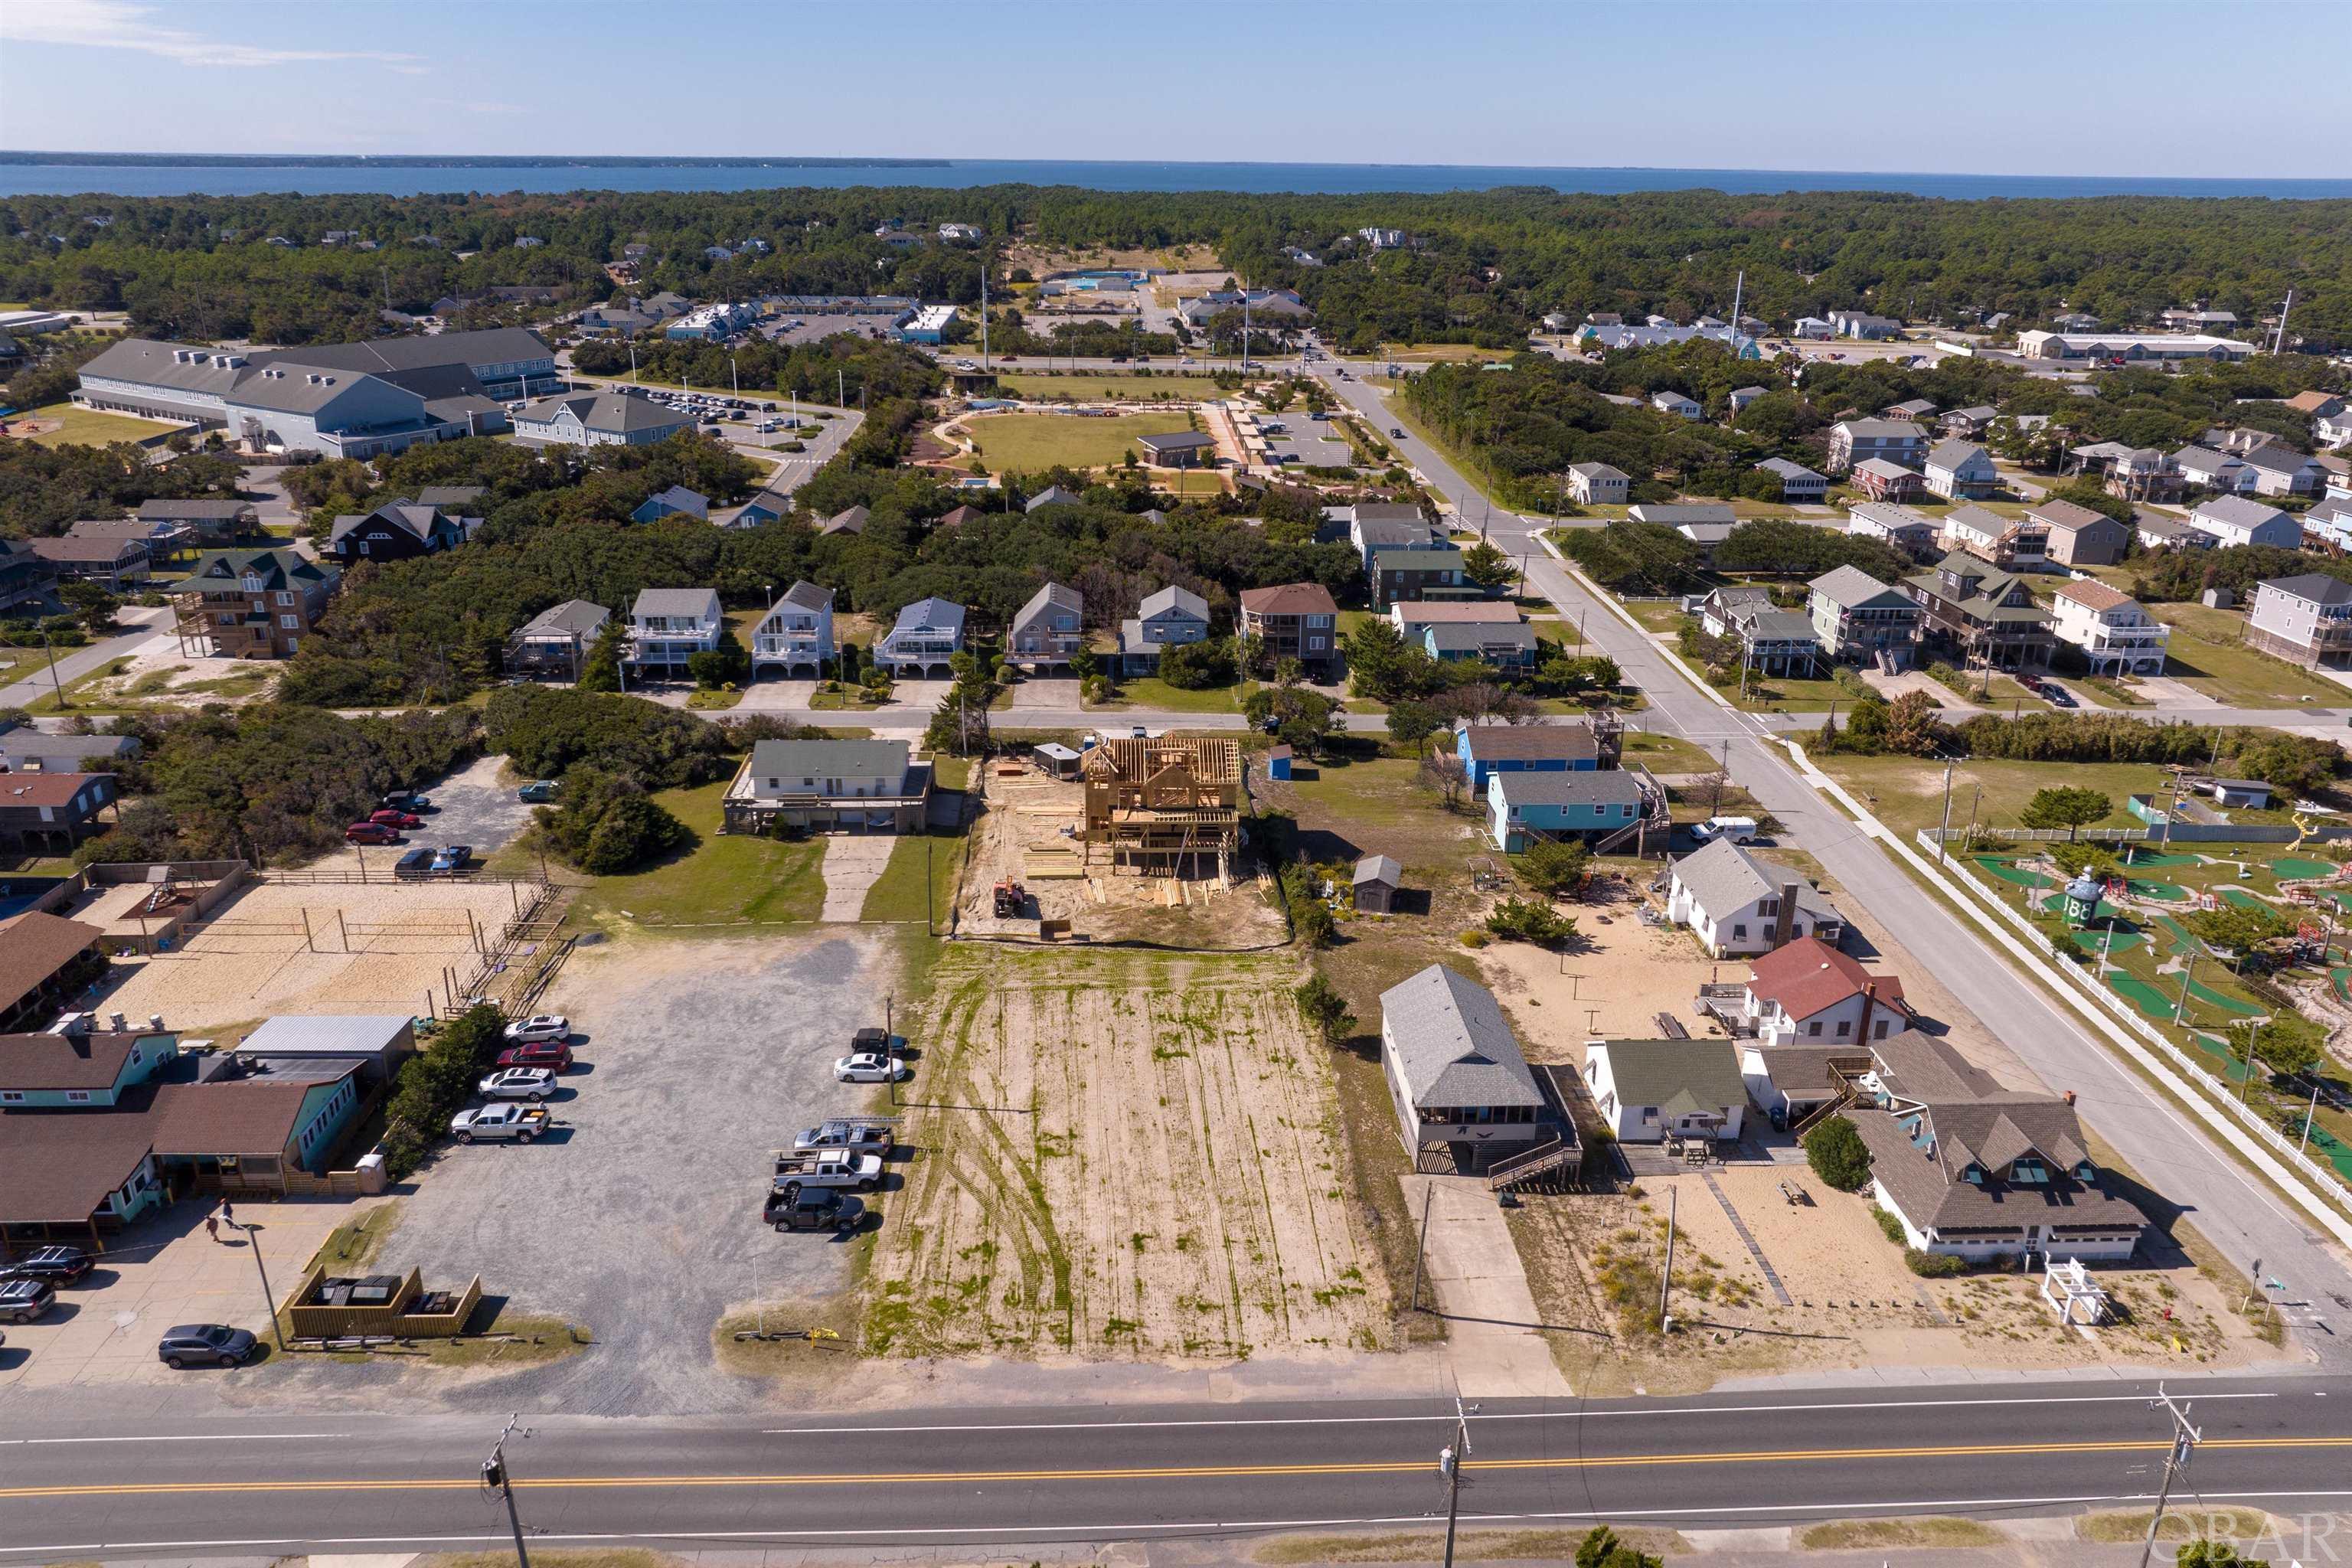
(2146, 87)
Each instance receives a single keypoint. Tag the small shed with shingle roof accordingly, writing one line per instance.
(1375, 882)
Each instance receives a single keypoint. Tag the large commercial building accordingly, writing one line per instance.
(2129, 347)
(341, 400)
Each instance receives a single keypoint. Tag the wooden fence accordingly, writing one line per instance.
(399, 1318)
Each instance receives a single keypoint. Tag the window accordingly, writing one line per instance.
(1880, 1032)
(1815, 1028)
(12, 1097)
(1740, 933)
(77, 1097)
(285, 598)
(1843, 1028)
(291, 623)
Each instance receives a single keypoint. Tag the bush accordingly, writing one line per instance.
(1473, 938)
(1515, 920)
(605, 824)
(1933, 1264)
(1835, 1151)
(547, 730)
(434, 1082)
(1555, 866)
(1891, 1227)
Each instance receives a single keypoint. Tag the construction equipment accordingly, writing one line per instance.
(1010, 896)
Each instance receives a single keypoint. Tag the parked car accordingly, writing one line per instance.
(826, 1168)
(869, 1067)
(509, 1122)
(814, 1209)
(22, 1300)
(452, 856)
(417, 862)
(408, 800)
(2058, 695)
(533, 1084)
(399, 820)
(1739, 829)
(552, 1055)
(537, 793)
(370, 833)
(541, 1026)
(206, 1344)
(859, 1135)
(1396, 432)
(59, 1264)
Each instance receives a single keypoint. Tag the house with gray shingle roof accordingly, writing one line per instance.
(829, 786)
(555, 642)
(1650, 1090)
(1047, 630)
(669, 625)
(1461, 1086)
(1736, 902)
(927, 634)
(1375, 884)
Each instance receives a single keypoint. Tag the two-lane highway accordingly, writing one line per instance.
(1001, 1478)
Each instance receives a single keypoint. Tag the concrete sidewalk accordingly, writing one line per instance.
(1494, 1333)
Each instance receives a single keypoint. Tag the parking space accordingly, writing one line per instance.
(474, 808)
(1313, 450)
(640, 1215)
(815, 329)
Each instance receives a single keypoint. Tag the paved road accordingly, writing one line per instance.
(997, 1478)
(145, 624)
(2238, 1214)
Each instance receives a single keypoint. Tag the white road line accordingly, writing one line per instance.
(1201, 1526)
(180, 1438)
(1560, 1415)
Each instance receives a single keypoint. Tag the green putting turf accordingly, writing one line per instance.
(2343, 899)
(2232, 1069)
(2229, 1005)
(2181, 941)
(2153, 1003)
(2164, 890)
(2294, 867)
(2009, 871)
(2137, 860)
(2124, 941)
(2341, 977)
(2242, 899)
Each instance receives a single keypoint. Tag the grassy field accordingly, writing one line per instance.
(1667, 753)
(1028, 443)
(1151, 691)
(1108, 386)
(900, 893)
(2209, 654)
(83, 427)
(1909, 790)
(719, 879)
(1439, 353)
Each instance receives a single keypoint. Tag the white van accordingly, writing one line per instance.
(1739, 829)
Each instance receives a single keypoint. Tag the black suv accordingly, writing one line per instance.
(22, 1300)
(203, 1344)
(59, 1264)
(814, 1209)
(417, 863)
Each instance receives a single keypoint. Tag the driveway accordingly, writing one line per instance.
(640, 1216)
(473, 806)
(852, 864)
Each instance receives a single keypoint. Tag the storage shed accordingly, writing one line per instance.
(1278, 762)
(1375, 882)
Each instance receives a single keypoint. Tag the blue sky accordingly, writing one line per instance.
(1827, 84)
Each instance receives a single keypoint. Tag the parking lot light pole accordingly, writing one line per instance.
(277, 1332)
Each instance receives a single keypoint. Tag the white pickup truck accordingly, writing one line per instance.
(826, 1168)
(496, 1123)
(855, 1135)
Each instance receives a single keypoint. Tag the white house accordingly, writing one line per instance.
(1961, 470)
(796, 634)
(598, 419)
(2305, 619)
(1737, 903)
(2204, 468)
(2013, 545)
(927, 634)
(1649, 1090)
(1597, 484)
(667, 625)
(1854, 442)
(1903, 527)
(2333, 431)
(1675, 403)
(2234, 520)
(828, 786)
(2278, 471)
(1808, 993)
(1799, 486)
(2110, 627)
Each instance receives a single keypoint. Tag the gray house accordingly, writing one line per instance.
(26, 750)
(554, 642)
(1463, 1092)
(1047, 630)
(1053, 495)
(927, 634)
(1858, 618)
(840, 786)
(1172, 617)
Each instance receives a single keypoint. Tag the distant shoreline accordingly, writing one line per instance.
(437, 161)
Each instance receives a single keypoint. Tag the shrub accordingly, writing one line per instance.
(1515, 920)
(1473, 938)
(433, 1083)
(1835, 1151)
(1933, 1264)
(1892, 1226)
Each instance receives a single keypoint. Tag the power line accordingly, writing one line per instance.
(2185, 1439)
(495, 1477)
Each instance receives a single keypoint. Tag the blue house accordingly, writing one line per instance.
(671, 501)
(755, 513)
(88, 1068)
(1489, 749)
(1523, 806)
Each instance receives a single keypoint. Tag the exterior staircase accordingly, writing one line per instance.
(1532, 1163)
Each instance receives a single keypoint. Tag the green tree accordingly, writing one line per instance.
(1411, 723)
(2204, 1553)
(1912, 725)
(1516, 921)
(1835, 1151)
(1198, 666)
(1602, 1549)
(2286, 1043)
(601, 669)
(2063, 805)
(93, 606)
(1555, 866)
(1488, 567)
(1324, 1009)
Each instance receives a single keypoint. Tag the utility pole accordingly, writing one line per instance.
(1421, 1250)
(277, 1331)
(2278, 343)
(1666, 1275)
(2187, 968)
(55, 685)
(1943, 850)
(1449, 1465)
(2185, 1439)
(495, 1476)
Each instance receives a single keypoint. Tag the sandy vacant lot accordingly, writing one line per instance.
(1851, 1301)
(336, 947)
(1612, 985)
(1120, 1157)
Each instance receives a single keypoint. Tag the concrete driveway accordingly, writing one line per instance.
(639, 1216)
(852, 864)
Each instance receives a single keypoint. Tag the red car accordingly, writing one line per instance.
(370, 833)
(399, 819)
(555, 1055)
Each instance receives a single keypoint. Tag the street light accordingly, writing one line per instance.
(277, 1331)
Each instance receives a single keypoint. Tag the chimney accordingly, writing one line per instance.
(155, 1022)
(2069, 1097)
(1787, 913)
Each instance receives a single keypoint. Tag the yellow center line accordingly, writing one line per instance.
(1170, 1472)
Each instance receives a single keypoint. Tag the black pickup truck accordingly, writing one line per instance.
(814, 1209)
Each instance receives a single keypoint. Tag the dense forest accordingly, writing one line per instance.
(1485, 265)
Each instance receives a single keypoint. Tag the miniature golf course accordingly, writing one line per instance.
(2011, 872)
(2293, 867)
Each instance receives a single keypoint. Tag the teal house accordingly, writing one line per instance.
(1524, 807)
(54, 1071)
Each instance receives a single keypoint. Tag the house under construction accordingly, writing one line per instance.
(1158, 806)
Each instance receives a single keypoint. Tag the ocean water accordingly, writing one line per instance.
(173, 180)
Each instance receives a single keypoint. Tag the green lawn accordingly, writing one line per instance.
(1380, 792)
(1112, 386)
(1667, 753)
(898, 894)
(1660, 616)
(1434, 354)
(1028, 443)
(83, 427)
(1151, 691)
(1910, 791)
(1784, 694)
(721, 879)
(2209, 653)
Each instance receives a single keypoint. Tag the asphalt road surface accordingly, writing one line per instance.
(996, 1479)
(2256, 1229)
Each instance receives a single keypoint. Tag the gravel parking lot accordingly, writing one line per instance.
(474, 808)
(640, 1215)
